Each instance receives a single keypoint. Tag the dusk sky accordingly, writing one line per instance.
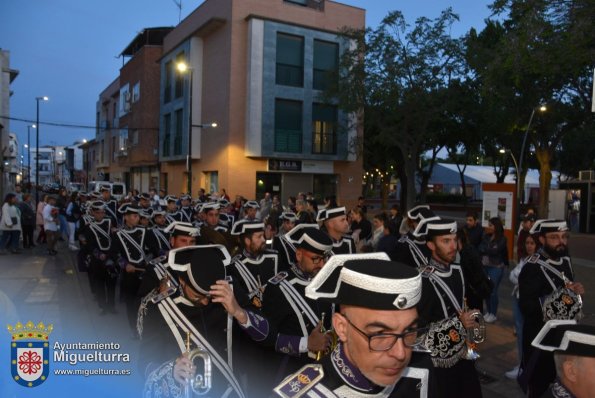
(68, 50)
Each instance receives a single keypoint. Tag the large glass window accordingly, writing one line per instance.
(288, 126)
(324, 129)
(178, 133)
(326, 60)
(290, 60)
(166, 134)
(168, 79)
(180, 76)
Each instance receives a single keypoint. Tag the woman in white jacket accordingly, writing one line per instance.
(10, 225)
(531, 242)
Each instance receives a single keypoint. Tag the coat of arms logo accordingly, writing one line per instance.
(29, 353)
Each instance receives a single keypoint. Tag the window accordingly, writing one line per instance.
(114, 148)
(136, 92)
(290, 60)
(125, 99)
(178, 133)
(134, 139)
(123, 142)
(326, 60)
(288, 126)
(101, 151)
(179, 77)
(166, 134)
(324, 129)
(168, 77)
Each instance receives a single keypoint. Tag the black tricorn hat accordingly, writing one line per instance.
(310, 238)
(367, 280)
(201, 266)
(246, 226)
(566, 337)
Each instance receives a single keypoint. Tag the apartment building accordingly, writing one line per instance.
(257, 68)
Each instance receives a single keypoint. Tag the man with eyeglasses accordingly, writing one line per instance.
(375, 321)
(443, 311)
(547, 290)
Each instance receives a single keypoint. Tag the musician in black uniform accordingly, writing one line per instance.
(144, 202)
(573, 347)
(251, 208)
(95, 242)
(186, 210)
(158, 238)
(377, 326)
(254, 265)
(291, 324)
(411, 248)
(284, 248)
(335, 225)
(442, 308)
(111, 205)
(129, 253)
(170, 325)
(172, 213)
(210, 233)
(546, 278)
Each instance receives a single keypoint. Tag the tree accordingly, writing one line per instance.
(400, 71)
(547, 50)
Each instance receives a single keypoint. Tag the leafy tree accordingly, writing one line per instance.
(399, 72)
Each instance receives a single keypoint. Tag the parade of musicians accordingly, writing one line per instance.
(283, 199)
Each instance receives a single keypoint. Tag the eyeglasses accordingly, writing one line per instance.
(317, 259)
(386, 341)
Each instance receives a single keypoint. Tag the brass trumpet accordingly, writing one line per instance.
(334, 339)
(201, 383)
(475, 335)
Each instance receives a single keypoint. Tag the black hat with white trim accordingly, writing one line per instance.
(82, 194)
(104, 188)
(95, 195)
(129, 208)
(251, 204)
(310, 238)
(144, 214)
(288, 216)
(171, 198)
(201, 266)
(178, 228)
(157, 213)
(327, 214)
(186, 197)
(544, 226)
(246, 226)
(566, 337)
(144, 196)
(223, 202)
(430, 227)
(367, 280)
(224, 219)
(97, 205)
(420, 212)
(206, 207)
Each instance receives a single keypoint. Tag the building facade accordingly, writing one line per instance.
(7, 76)
(125, 145)
(258, 69)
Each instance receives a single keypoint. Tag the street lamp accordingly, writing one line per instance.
(37, 99)
(542, 108)
(518, 180)
(29, 127)
(183, 67)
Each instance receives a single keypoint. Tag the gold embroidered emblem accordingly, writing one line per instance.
(304, 379)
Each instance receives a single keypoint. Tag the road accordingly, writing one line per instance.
(50, 289)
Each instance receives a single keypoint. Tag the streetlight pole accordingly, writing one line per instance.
(29, 153)
(542, 108)
(37, 99)
(518, 184)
